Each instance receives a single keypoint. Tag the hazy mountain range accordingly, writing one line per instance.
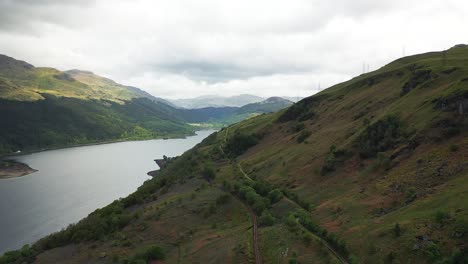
(220, 101)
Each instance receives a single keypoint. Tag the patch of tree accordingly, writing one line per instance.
(145, 191)
(97, 225)
(303, 136)
(302, 110)
(210, 140)
(447, 128)
(24, 255)
(298, 127)
(275, 195)
(301, 202)
(371, 80)
(223, 199)
(456, 102)
(61, 121)
(441, 217)
(110, 219)
(105, 221)
(147, 255)
(337, 244)
(239, 143)
(266, 219)
(259, 195)
(334, 157)
(208, 173)
(258, 203)
(418, 77)
(380, 136)
(397, 230)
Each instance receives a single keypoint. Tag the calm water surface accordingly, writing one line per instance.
(73, 182)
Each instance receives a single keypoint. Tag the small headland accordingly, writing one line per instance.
(162, 163)
(13, 169)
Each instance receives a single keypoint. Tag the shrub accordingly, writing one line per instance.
(453, 148)
(260, 204)
(383, 161)
(24, 255)
(290, 221)
(223, 199)
(208, 173)
(306, 238)
(333, 157)
(299, 126)
(330, 160)
(380, 136)
(275, 196)
(441, 217)
(397, 230)
(262, 188)
(266, 219)
(303, 136)
(432, 251)
(151, 253)
(301, 110)
(239, 143)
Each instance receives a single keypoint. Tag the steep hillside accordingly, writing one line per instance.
(372, 170)
(44, 107)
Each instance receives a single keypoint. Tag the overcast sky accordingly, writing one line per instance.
(180, 49)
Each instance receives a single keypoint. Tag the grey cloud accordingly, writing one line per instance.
(186, 47)
(213, 72)
(23, 16)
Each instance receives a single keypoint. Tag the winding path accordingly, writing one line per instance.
(323, 241)
(258, 258)
(256, 250)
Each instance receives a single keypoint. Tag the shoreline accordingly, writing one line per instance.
(26, 152)
(14, 169)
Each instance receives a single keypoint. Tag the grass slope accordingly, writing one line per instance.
(372, 170)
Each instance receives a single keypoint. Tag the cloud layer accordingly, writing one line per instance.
(185, 48)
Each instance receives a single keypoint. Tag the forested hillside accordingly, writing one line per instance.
(44, 107)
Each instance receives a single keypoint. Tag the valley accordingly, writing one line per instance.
(44, 108)
(372, 170)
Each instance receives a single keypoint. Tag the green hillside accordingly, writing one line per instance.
(44, 107)
(223, 116)
(372, 170)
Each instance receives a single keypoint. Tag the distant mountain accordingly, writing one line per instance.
(45, 107)
(153, 98)
(269, 105)
(293, 98)
(230, 115)
(217, 101)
